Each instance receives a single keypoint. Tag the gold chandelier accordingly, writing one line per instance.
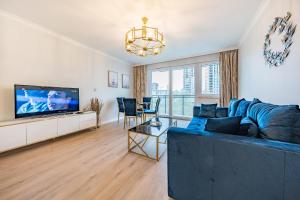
(144, 41)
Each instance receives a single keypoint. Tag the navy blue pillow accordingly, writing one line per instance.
(279, 122)
(221, 112)
(208, 110)
(229, 125)
(248, 128)
(233, 105)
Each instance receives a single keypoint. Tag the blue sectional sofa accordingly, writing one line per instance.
(263, 165)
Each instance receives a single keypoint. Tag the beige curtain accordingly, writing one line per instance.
(228, 76)
(139, 82)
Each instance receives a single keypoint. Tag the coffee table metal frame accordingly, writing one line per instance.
(140, 144)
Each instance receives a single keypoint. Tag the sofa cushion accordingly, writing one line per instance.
(197, 123)
(242, 108)
(233, 105)
(208, 110)
(221, 112)
(248, 127)
(229, 125)
(277, 122)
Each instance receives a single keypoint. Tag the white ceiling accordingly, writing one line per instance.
(191, 27)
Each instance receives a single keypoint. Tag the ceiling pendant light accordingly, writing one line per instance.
(144, 41)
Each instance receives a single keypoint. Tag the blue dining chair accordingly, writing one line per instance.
(147, 101)
(130, 108)
(120, 107)
(152, 112)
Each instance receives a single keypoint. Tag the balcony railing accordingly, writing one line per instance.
(182, 105)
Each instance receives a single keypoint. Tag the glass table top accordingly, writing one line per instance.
(147, 129)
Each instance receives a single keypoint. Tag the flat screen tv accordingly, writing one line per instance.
(40, 100)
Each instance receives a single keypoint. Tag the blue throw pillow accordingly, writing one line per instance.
(208, 110)
(242, 108)
(230, 106)
(229, 125)
(254, 101)
(233, 105)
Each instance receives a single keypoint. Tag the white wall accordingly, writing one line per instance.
(276, 85)
(30, 54)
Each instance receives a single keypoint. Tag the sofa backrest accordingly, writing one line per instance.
(220, 111)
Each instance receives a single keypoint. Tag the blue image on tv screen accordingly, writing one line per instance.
(46, 100)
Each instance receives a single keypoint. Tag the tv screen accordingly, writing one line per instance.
(40, 100)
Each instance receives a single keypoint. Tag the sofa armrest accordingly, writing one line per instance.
(187, 175)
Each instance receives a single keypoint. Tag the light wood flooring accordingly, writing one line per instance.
(93, 164)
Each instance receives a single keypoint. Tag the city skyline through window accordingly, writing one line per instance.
(160, 82)
(210, 79)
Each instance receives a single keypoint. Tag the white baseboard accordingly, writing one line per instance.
(111, 120)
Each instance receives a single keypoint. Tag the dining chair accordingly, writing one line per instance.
(152, 112)
(130, 108)
(120, 107)
(147, 102)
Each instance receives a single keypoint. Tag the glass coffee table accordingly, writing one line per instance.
(149, 140)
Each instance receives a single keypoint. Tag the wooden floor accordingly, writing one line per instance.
(93, 164)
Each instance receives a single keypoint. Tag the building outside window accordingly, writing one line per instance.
(210, 79)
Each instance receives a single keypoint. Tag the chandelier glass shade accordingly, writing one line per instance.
(144, 41)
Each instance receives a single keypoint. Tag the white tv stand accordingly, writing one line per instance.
(22, 132)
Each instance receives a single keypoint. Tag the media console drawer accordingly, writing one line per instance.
(12, 137)
(87, 121)
(68, 124)
(41, 130)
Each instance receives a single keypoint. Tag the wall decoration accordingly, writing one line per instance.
(112, 79)
(125, 81)
(285, 29)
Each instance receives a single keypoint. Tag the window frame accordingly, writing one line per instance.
(197, 64)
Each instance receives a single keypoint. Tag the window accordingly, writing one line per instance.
(160, 88)
(210, 79)
(176, 89)
(183, 91)
(181, 87)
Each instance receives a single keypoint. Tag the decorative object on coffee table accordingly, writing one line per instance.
(112, 79)
(96, 105)
(286, 29)
(155, 122)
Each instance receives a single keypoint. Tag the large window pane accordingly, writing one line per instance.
(210, 79)
(183, 91)
(160, 88)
